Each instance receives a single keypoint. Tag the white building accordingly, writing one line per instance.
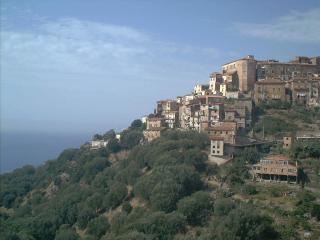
(217, 146)
(96, 144)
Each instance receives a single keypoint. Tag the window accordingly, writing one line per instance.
(213, 151)
(218, 151)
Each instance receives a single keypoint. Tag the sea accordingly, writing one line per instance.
(18, 149)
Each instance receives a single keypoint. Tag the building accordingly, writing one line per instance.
(217, 146)
(275, 168)
(215, 81)
(304, 91)
(305, 135)
(169, 110)
(300, 66)
(237, 115)
(243, 72)
(96, 144)
(287, 142)
(225, 130)
(211, 114)
(223, 89)
(269, 89)
(200, 89)
(234, 95)
(171, 118)
(155, 127)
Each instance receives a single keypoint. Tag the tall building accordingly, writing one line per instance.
(243, 71)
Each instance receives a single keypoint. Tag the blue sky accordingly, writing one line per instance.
(88, 66)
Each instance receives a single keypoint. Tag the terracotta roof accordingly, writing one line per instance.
(223, 128)
(277, 157)
(217, 138)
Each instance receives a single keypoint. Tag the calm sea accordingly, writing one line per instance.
(20, 148)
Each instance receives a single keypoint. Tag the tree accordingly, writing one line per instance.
(165, 195)
(223, 206)
(129, 139)
(126, 207)
(94, 166)
(118, 191)
(136, 124)
(84, 216)
(315, 211)
(98, 226)
(114, 145)
(196, 208)
(162, 226)
(245, 223)
(111, 134)
(65, 232)
(97, 137)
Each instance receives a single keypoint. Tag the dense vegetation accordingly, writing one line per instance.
(162, 190)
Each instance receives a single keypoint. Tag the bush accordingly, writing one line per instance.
(196, 208)
(223, 206)
(245, 223)
(126, 207)
(116, 195)
(162, 226)
(84, 216)
(130, 138)
(165, 195)
(113, 145)
(66, 232)
(98, 226)
(315, 212)
(249, 189)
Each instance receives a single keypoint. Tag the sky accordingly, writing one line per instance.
(89, 66)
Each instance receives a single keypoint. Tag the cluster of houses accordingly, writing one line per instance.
(223, 108)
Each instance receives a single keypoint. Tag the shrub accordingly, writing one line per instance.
(223, 206)
(98, 226)
(196, 208)
(126, 207)
(118, 191)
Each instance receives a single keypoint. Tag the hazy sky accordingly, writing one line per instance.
(87, 66)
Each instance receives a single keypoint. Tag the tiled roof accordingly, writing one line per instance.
(276, 157)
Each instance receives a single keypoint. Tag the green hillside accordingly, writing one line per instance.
(165, 189)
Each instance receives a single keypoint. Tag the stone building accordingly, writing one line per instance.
(301, 66)
(237, 115)
(211, 114)
(269, 89)
(169, 110)
(225, 130)
(275, 168)
(287, 141)
(155, 127)
(243, 72)
(304, 91)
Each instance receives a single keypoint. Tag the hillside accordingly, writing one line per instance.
(165, 189)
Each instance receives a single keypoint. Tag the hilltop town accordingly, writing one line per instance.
(237, 158)
(224, 108)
